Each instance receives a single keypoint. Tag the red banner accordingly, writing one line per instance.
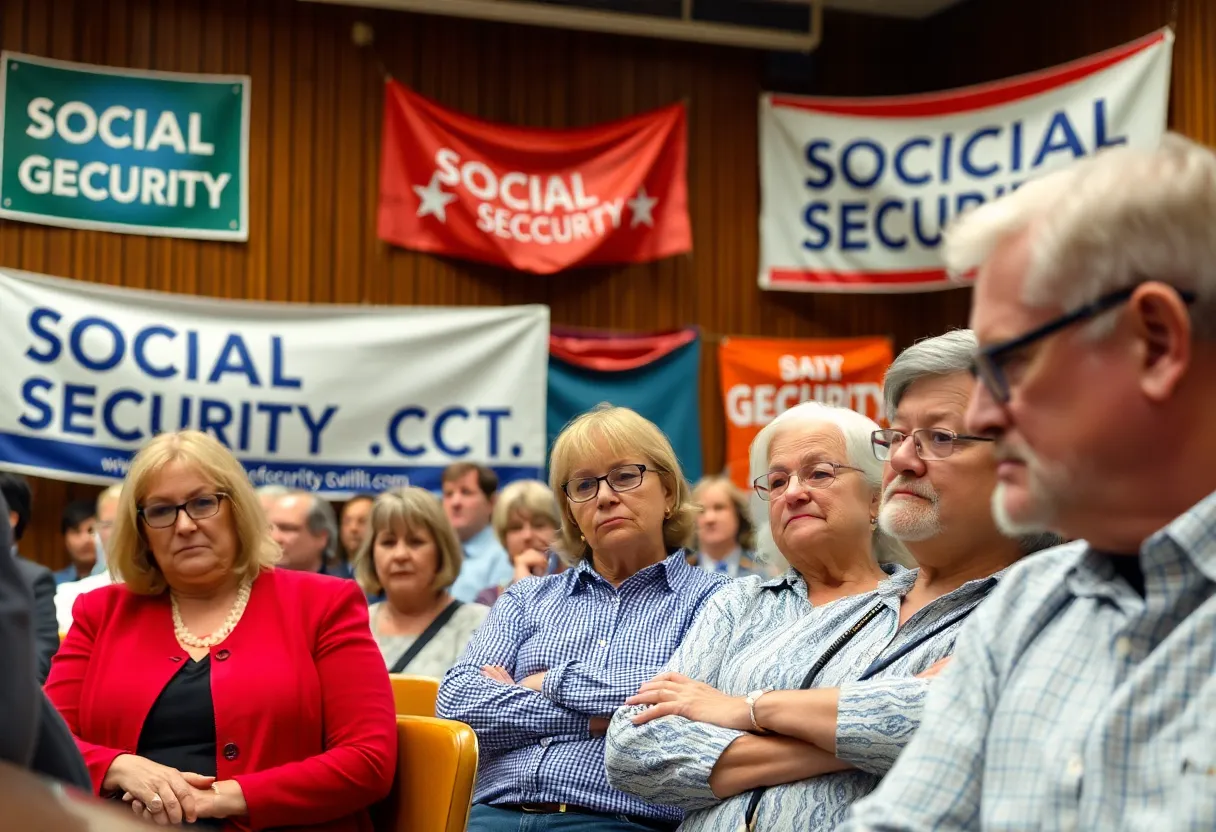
(532, 199)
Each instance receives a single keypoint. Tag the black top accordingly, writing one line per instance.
(1128, 567)
(180, 729)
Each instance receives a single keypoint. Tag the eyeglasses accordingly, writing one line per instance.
(621, 478)
(162, 516)
(990, 362)
(772, 485)
(931, 443)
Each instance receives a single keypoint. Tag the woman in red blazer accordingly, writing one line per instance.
(281, 716)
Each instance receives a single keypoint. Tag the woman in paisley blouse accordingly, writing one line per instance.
(824, 748)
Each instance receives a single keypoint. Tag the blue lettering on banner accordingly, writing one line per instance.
(118, 347)
(492, 417)
(968, 165)
(141, 345)
(398, 424)
(901, 170)
(394, 428)
(234, 358)
(130, 415)
(849, 223)
(869, 218)
(72, 407)
(437, 432)
(41, 452)
(107, 414)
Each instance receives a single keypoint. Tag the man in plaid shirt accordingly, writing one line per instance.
(1081, 693)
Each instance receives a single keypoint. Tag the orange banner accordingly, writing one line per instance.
(762, 377)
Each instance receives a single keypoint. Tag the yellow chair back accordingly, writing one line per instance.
(414, 695)
(436, 769)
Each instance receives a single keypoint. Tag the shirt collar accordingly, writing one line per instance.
(674, 570)
(480, 543)
(793, 579)
(790, 578)
(898, 585)
(1194, 532)
(731, 560)
(901, 583)
(1189, 537)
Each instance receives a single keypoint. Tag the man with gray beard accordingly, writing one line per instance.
(938, 486)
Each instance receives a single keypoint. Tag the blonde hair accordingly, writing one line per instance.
(414, 508)
(621, 432)
(130, 559)
(529, 497)
(746, 536)
(110, 495)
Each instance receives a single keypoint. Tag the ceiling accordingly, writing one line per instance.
(892, 8)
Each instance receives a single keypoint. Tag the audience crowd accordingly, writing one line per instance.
(994, 611)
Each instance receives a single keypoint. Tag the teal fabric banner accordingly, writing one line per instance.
(656, 375)
(126, 150)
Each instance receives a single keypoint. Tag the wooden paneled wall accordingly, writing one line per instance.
(984, 40)
(316, 109)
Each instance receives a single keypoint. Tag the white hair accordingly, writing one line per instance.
(941, 355)
(320, 518)
(273, 491)
(859, 453)
(111, 494)
(1105, 223)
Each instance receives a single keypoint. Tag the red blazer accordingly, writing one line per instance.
(304, 712)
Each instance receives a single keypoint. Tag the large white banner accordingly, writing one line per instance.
(855, 193)
(333, 399)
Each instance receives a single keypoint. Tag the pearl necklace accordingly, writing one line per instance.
(188, 639)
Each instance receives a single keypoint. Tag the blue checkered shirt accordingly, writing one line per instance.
(597, 644)
(1072, 702)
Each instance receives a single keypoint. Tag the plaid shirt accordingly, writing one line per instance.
(596, 644)
(757, 634)
(1072, 702)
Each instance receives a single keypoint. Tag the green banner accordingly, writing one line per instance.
(134, 151)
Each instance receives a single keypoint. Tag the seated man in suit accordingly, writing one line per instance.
(32, 734)
(39, 579)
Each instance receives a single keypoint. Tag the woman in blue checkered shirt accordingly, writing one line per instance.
(558, 654)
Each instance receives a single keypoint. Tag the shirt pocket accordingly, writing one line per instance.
(1196, 798)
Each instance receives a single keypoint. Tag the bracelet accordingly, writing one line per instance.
(752, 699)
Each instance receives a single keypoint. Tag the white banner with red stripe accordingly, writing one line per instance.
(855, 192)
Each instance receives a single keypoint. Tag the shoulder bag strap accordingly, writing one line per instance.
(749, 819)
(880, 664)
(423, 640)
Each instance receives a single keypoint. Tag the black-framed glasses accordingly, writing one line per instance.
(930, 443)
(989, 364)
(772, 485)
(163, 515)
(621, 478)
